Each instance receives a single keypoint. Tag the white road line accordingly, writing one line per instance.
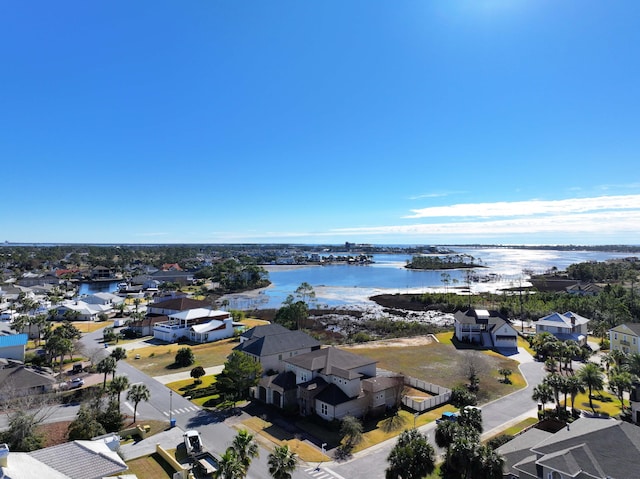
(335, 474)
(165, 413)
(126, 403)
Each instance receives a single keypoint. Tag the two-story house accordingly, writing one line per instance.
(330, 382)
(564, 326)
(201, 325)
(485, 328)
(625, 338)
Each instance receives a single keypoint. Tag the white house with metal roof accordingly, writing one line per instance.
(564, 326)
(202, 325)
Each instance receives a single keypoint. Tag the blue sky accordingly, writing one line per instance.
(428, 122)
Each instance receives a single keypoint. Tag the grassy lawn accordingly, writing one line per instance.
(523, 343)
(158, 360)
(609, 404)
(151, 466)
(186, 387)
(444, 365)
(86, 326)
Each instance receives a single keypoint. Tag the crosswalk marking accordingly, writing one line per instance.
(182, 410)
(322, 473)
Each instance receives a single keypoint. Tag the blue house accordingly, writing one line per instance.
(12, 346)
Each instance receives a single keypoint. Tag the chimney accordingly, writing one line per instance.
(4, 455)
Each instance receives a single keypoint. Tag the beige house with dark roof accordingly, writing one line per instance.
(330, 382)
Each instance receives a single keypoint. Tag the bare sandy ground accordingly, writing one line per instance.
(395, 343)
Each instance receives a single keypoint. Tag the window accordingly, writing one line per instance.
(324, 409)
(615, 335)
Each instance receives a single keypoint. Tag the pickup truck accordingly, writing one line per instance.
(448, 416)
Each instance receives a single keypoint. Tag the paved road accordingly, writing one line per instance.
(165, 405)
(217, 435)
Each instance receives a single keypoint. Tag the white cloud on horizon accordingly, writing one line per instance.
(529, 208)
(588, 224)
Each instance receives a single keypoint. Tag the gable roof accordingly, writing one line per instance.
(264, 330)
(562, 320)
(271, 344)
(198, 313)
(82, 459)
(481, 316)
(588, 447)
(332, 395)
(21, 377)
(332, 361)
(181, 304)
(634, 327)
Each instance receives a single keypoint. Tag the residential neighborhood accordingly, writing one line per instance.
(159, 357)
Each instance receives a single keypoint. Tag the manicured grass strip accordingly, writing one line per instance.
(151, 466)
(523, 343)
(516, 428)
(279, 436)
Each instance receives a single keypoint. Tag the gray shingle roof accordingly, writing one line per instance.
(589, 447)
(332, 361)
(332, 395)
(275, 341)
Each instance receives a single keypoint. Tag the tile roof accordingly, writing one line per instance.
(82, 459)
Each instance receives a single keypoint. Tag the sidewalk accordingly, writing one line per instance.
(169, 378)
(167, 439)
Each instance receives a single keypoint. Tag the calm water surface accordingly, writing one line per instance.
(343, 285)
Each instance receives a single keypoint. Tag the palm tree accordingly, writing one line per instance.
(492, 463)
(619, 383)
(40, 321)
(592, 378)
(229, 466)
(542, 394)
(574, 387)
(557, 384)
(245, 448)
(411, 458)
(119, 353)
(106, 366)
(118, 385)
(138, 392)
(282, 462)
(634, 364)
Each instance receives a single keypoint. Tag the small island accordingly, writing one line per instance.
(450, 261)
